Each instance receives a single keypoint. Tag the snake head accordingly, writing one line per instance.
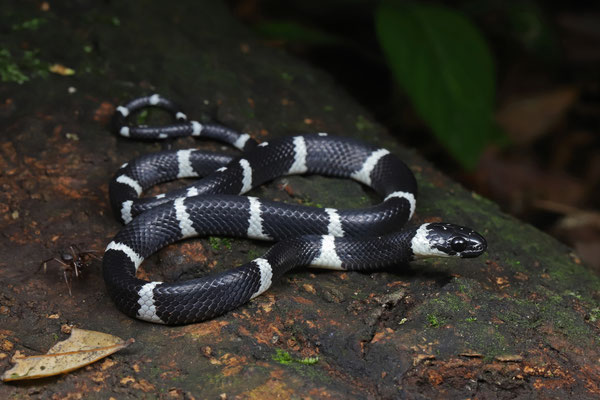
(440, 239)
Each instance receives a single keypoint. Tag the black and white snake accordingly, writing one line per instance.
(355, 240)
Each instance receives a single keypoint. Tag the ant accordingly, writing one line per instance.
(72, 263)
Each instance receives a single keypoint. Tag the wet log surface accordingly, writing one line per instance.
(521, 321)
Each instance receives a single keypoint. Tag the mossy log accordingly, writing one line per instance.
(520, 321)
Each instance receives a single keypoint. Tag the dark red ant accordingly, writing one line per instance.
(73, 263)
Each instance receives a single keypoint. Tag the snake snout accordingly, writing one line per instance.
(477, 245)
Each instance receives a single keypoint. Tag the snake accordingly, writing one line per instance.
(360, 239)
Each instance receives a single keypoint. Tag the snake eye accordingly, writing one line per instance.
(458, 244)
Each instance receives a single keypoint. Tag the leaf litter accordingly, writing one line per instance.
(82, 348)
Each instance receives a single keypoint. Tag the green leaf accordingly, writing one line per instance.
(445, 67)
(9, 70)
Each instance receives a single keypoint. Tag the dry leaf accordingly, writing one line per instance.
(471, 354)
(83, 347)
(422, 357)
(509, 358)
(527, 119)
(61, 70)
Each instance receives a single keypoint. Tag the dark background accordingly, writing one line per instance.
(547, 65)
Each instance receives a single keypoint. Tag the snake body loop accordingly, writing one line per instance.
(356, 239)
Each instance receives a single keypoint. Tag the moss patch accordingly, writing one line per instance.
(283, 357)
(217, 243)
(21, 68)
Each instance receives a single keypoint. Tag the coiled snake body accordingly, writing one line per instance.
(357, 239)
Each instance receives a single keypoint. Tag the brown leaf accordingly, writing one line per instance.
(422, 357)
(83, 347)
(509, 358)
(471, 354)
(61, 70)
(529, 118)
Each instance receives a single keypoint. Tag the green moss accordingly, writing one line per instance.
(216, 243)
(358, 295)
(308, 202)
(450, 302)
(568, 321)
(305, 367)
(142, 117)
(574, 294)
(470, 325)
(481, 336)
(308, 360)
(555, 298)
(448, 307)
(20, 69)
(283, 357)
(487, 340)
(573, 326)
(554, 309)
(253, 254)
(9, 69)
(569, 275)
(434, 320)
(424, 184)
(29, 25)
(466, 286)
(536, 257)
(363, 124)
(594, 314)
(515, 265)
(514, 318)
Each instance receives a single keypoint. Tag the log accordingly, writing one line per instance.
(521, 321)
